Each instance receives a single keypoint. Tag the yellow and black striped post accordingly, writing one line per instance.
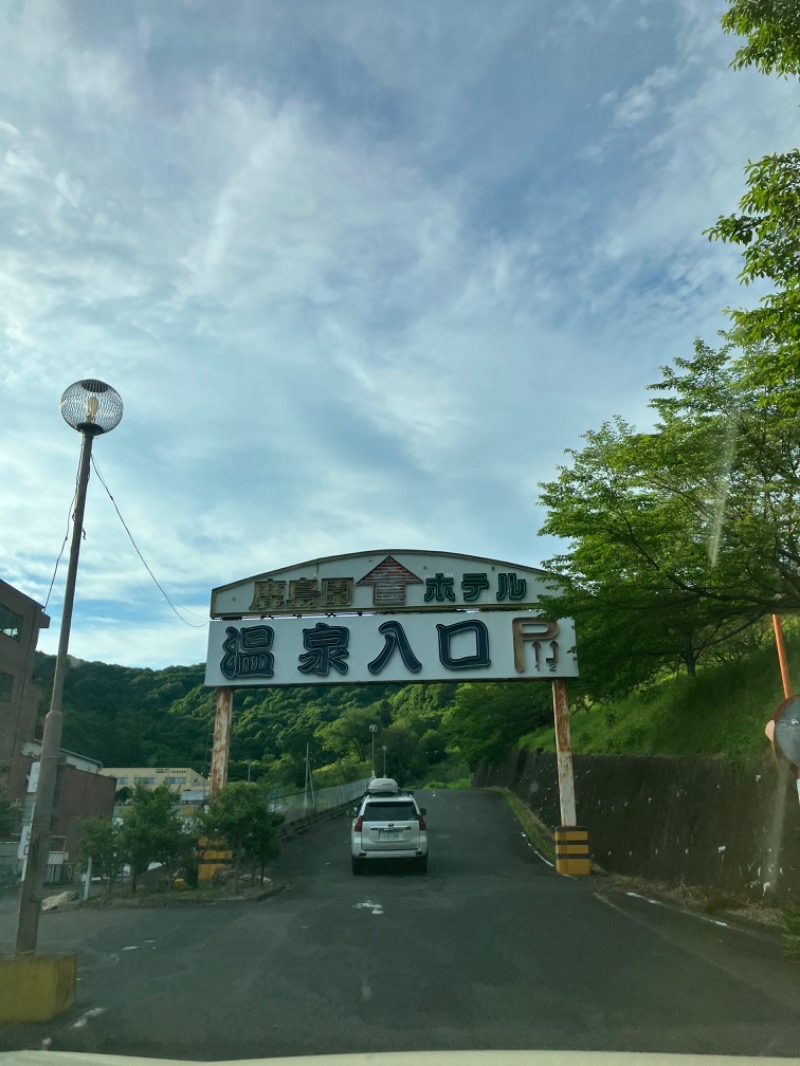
(215, 857)
(572, 851)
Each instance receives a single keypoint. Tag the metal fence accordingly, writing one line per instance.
(8, 872)
(61, 873)
(294, 805)
(56, 873)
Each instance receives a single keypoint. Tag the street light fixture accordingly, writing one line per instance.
(91, 407)
(373, 729)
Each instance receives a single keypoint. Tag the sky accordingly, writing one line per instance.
(361, 273)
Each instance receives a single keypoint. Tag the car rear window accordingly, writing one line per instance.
(389, 812)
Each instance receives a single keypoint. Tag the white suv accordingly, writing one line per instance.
(388, 824)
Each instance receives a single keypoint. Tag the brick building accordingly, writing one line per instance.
(21, 619)
(82, 791)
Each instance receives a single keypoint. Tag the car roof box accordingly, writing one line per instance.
(383, 786)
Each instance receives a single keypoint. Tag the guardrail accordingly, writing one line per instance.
(294, 805)
(301, 809)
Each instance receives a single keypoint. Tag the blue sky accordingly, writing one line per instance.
(360, 271)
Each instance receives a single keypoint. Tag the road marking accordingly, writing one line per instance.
(131, 947)
(374, 908)
(680, 910)
(636, 895)
(83, 1021)
(538, 854)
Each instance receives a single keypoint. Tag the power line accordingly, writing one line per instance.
(66, 538)
(194, 625)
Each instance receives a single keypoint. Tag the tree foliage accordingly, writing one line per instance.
(239, 814)
(768, 225)
(486, 721)
(772, 29)
(102, 842)
(152, 831)
(680, 538)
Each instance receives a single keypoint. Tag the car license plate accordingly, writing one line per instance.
(390, 834)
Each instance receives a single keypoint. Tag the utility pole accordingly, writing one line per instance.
(91, 407)
(308, 798)
(373, 730)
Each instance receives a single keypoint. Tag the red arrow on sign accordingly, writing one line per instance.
(389, 580)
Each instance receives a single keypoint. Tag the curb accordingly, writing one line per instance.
(721, 918)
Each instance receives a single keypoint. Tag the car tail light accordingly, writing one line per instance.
(421, 822)
(359, 823)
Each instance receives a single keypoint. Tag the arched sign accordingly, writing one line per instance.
(391, 616)
(395, 616)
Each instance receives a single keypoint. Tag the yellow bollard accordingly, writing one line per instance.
(36, 988)
(572, 851)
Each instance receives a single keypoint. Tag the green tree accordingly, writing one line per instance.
(102, 842)
(772, 29)
(239, 814)
(768, 225)
(406, 758)
(9, 820)
(152, 831)
(349, 734)
(486, 720)
(679, 538)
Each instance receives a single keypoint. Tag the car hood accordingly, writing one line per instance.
(411, 1058)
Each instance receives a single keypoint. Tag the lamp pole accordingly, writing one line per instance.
(373, 729)
(383, 749)
(91, 407)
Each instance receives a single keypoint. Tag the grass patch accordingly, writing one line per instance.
(461, 782)
(451, 773)
(722, 711)
(536, 832)
(790, 932)
(171, 897)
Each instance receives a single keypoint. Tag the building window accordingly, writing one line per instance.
(10, 622)
(174, 780)
(6, 687)
(122, 781)
(145, 780)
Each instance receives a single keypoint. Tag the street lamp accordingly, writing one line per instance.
(91, 407)
(373, 729)
(383, 749)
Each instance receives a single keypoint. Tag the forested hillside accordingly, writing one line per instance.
(133, 717)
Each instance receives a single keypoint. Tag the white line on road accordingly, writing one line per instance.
(537, 853)
(636, 895)
(374, 908)
(694, 914)
(83, 1021)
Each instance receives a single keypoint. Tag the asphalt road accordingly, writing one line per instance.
(490, 949)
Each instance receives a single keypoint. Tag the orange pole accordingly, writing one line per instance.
(780, 644)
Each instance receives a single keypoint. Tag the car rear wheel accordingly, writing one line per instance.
(422, 864)
(358, 866)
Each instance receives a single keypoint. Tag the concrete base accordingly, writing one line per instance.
(36, 988)
(572, 851)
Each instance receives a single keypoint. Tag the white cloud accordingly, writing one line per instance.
(640, 100)
(359, 283)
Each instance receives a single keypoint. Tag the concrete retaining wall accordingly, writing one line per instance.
(702, 821)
